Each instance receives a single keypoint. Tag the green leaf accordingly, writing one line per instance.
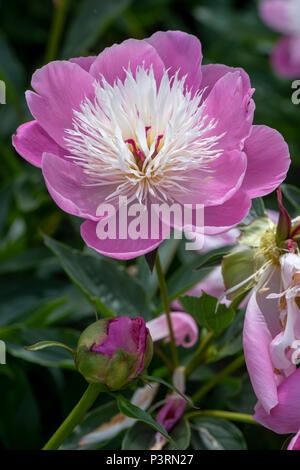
(142, 437)
(105, 283)
(17, 337)
(212, 260)
(134, 412)
(21, 298)
(257, 210)
(187, 276)
(139, 437)
(230, 342)
(11, 71)
(151, 378)
(5, 196)
(20, 426)
(167, 252)
(292, 193)
(203, 310)
(48, 344)
(216, 434)
(181, 434)
(92, 18)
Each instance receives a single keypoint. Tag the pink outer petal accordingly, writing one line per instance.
(231, 107)
(285, 417)
(61, 87)
(276, 15)
(268, 161)
(211, 73)
(218, 219)
(114, 60)
(68, 186)
(282, 60)
(180, 51)
(84, 62)
(295, 442)
(217, 183)
(31, 141)
(256, 340)
(260, 318)
(118, 248)
(183, 324)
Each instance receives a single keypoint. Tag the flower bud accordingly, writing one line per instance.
(114, 351)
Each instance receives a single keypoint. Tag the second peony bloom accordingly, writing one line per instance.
(145, 121)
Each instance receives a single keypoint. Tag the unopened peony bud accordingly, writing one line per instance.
(114, 351)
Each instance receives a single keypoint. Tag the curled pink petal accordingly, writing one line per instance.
(184, 327)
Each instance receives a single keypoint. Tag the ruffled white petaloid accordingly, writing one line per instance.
(287, 340)
(143, 138)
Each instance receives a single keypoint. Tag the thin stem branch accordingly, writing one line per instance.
(198, 356)
(164, 296)
(239, 417)
(74, 418)
(233, 366)
(164, 358)
(57, 27)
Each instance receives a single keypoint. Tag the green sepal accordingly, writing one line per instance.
(93, 335)
(91, 365)
(49, 344)
(121, 368)
(252, 234)
(237, 267)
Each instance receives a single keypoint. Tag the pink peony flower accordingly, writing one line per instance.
(284, 16)
(272, 346)
(144, 120)
(184, 327)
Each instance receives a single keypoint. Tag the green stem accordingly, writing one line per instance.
(240, 417)
(56, 30)
(236, 364)
(74, 418)
(164, 296)
(198, 356)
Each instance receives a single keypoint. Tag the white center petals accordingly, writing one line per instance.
(141, 139)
